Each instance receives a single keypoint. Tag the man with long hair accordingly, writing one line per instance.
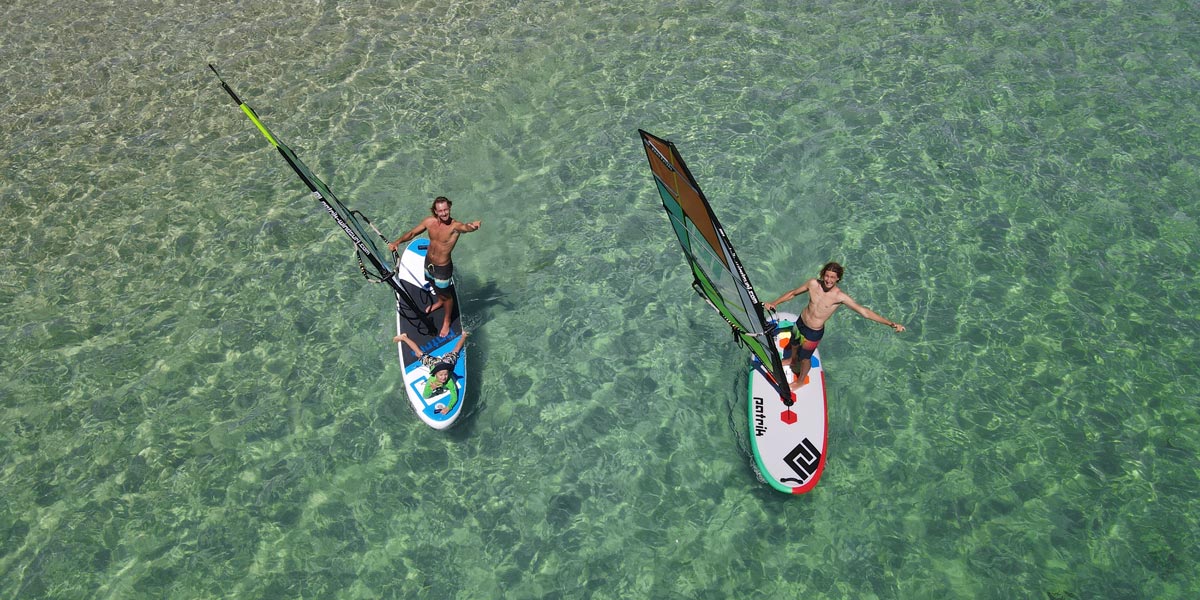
(824, 298)
(439, 269)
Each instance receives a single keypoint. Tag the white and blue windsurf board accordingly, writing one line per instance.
(439, 412)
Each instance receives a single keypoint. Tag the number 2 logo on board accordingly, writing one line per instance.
(803, 459)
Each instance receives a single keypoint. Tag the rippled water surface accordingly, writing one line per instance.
(199, 397)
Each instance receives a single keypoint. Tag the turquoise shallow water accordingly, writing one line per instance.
(199, 399)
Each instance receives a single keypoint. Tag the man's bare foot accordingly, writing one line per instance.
(433, 307)
(445, 331)
(797, 383)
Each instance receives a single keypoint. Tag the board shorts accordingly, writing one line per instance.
(809, 338)
(432, 361)
(441, 276)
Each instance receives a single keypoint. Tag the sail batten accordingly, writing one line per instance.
(719, 276)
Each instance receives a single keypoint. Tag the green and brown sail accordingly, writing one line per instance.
(719, 276)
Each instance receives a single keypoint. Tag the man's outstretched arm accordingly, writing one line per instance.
(870, 314)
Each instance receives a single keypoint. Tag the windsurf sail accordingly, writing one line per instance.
(375, 264)
(718, 274)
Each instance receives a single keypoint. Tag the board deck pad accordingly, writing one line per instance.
(788, 443)
(423, 329)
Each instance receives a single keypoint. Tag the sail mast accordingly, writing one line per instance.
(718, 274)
(350, 221)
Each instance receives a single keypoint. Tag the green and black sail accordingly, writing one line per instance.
(375, 260)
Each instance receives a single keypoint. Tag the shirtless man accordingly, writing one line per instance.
(824, 297)
(439, 269)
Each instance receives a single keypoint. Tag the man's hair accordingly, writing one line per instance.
(438, 200)
(836, 268)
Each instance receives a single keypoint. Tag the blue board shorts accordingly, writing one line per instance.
(441, 276)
